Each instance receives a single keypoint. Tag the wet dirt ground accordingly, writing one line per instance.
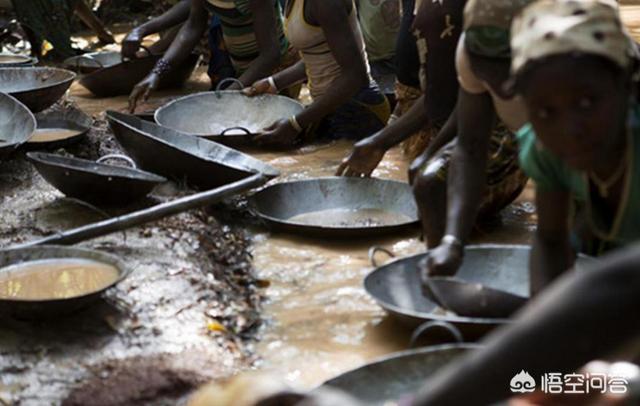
(186, 315)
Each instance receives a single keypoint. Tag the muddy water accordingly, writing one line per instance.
(322, 322)
(52, 134)
(55, 279)
(350, 218)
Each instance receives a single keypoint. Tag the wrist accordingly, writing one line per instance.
(273, 87)
(452, 241)
(293, 122)
(162, 67)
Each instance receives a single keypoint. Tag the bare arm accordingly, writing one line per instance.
(467, 174)
(558, 332)
(368, 153)
(189, 34)
(551, 254)
(446, 134)
(404, 127)
(264, 25)
(293, 75)
(174, 16)
(333, 17)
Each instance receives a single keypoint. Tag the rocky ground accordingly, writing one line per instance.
(186, 314)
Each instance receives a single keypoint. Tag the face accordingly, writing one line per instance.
(493, 71)
(577, 108)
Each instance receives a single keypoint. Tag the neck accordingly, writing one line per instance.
(614, 156)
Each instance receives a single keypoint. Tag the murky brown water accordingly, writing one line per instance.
(350, 218)
(55, 279)
(10, 59)
(322, 321)
(52, 134)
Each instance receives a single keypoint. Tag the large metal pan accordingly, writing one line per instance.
(52, 308)
(73, 122)
(120, 79)
(36, 88)
(397, 286)
(17, 124)
(16, 61)
(470, 299)
(389, 379)
(201, 163)
(227, 117)
(95, 182)
(93, 61)
(338, 206)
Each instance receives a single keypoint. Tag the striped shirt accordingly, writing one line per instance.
(237, 30)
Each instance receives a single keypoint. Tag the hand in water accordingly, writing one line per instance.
(142, 91)
(131, 44)
(262, 86)
(363, 160)
(444, 260)
(279, 134)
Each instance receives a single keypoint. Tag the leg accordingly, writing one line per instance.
(84, 12)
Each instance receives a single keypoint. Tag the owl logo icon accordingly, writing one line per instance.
(523, 383)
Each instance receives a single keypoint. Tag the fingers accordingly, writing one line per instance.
(133, 101)
(342, 167)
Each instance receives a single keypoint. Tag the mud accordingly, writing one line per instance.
(186, 315)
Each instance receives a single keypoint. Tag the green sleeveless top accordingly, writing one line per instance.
(552, 174)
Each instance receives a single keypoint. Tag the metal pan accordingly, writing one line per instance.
(95, 182)
(389, 379)
(54, 308)
(227, 117)
(93, 61)
(16, 61)
(397, 286)
(37, 88)
(201, 163)
(74, 122)
(17, 124)
(120, 79)
(472, 299)
(338, 206)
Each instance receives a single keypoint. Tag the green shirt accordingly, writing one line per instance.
(380, 23)
(552, 175)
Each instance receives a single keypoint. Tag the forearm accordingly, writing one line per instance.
(185, 41)
(559, 332)
(404, 127)
(341, 90)
(465, 186)
(261, 67)
(446, 134)
(176, 15)
(550, 257)
(290, 76)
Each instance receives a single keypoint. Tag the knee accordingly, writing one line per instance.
(428, 185)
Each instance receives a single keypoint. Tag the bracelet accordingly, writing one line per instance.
(296, 126)
(451, 240)
(162, 66)
(272, 83)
